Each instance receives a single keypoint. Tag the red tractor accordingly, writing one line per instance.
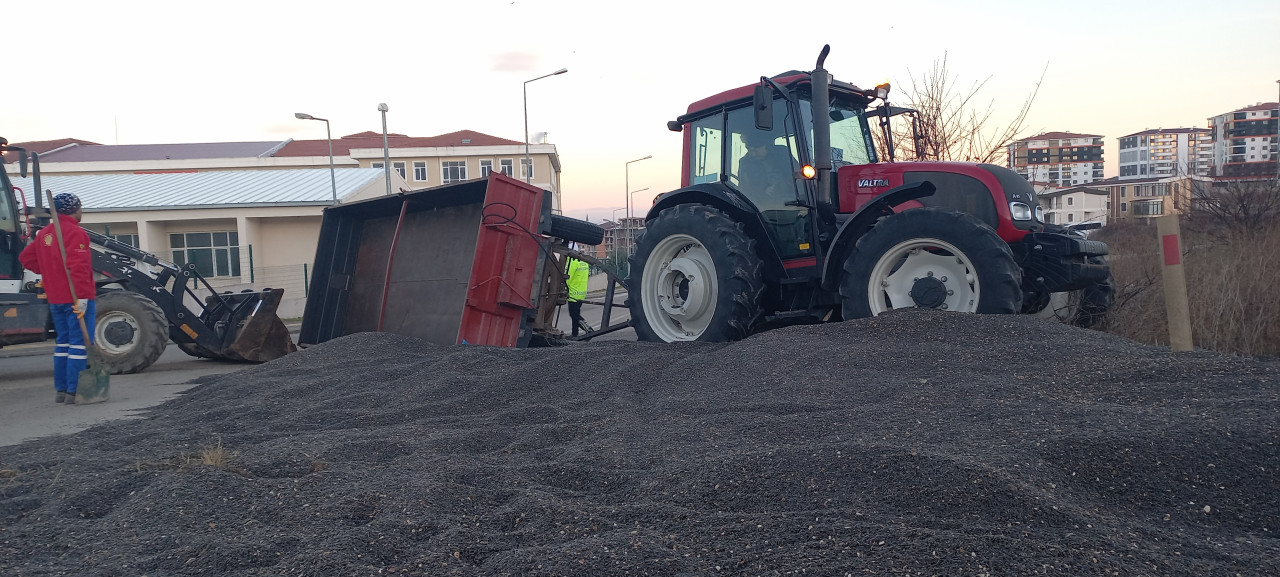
(785, 215)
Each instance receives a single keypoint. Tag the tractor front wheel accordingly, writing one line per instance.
(694, 277)
(930, 258)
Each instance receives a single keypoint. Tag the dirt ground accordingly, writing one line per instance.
(914, 443)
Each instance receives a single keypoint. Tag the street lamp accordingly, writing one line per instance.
(386, 153)
(333, 180)
(627, 198)
(528, 166)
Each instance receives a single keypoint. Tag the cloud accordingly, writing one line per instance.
(514, 62)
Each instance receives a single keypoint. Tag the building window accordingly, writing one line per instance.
(453, 171)
(129, 239)
(399, 167)
(214, 253)
(1124, 207)
(506, 167)
(377, 165)
(526, 168)
(486, 166)
(1070, 201)
(420, 171)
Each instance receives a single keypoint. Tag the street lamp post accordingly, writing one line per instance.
(333, 180)
(627, 198)
(386, 152)
(528, 166)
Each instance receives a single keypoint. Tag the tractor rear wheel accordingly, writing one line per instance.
(695, 276)
(130, 331)
(931, 258)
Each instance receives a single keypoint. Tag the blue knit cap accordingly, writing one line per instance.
(66, 203)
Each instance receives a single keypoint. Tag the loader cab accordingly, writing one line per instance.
(762, 161)
(10, 236)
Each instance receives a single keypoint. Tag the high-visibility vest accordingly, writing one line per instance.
(577, 282)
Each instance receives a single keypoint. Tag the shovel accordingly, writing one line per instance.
(94, 382)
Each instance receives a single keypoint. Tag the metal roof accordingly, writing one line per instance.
(342, 146)
(113, 192)
(199, 150)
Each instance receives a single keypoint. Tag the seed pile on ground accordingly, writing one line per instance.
(914, 443)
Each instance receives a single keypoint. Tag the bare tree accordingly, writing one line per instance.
(1234, 208)
(953, 124)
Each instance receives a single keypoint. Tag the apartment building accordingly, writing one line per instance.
(1246, 142)
(1058, 159)
(1164, 152)
(1076, 205)
(1143, 198)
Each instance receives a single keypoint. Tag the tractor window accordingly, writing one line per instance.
(762, 165)
(848, 135)
(705, 161)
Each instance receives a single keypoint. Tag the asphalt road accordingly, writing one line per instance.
(27, 410)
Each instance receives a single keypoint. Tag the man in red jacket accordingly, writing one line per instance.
(44, 257)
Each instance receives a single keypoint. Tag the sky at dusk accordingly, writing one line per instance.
(171, 72)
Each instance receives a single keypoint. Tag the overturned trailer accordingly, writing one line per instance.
(478, 262)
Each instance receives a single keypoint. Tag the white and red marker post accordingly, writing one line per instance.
(1175, 283)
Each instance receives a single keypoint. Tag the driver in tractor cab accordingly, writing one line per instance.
(766, 171)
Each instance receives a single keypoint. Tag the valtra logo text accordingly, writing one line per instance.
(872, 182)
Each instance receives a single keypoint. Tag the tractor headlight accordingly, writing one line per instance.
(1039, 214)
(1020, 211)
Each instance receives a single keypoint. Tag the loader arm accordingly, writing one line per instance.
(235, 326)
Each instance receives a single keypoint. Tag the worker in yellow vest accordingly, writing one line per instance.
(577, 272)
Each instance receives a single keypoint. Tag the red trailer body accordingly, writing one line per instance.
(458, 263)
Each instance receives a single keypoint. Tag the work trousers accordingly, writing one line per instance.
(70, 357)
(575, 316)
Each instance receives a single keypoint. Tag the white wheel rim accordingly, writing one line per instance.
(679, 288)
(1061, 307)
(100, 332)
(898, 269)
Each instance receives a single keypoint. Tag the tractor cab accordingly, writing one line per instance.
(758, 146)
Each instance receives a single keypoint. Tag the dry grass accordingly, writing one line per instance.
(215, 456)
(1231, 287)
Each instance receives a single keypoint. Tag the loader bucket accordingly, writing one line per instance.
(247, 328)
(451, 264)
(263, 337)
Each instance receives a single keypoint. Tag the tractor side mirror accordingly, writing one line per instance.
(762, 103)
(22, 163)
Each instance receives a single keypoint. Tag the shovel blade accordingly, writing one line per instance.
(93, 384)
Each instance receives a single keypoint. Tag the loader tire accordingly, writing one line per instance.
(130, 331)
(574, 230)
(695, 276)
(931, 258)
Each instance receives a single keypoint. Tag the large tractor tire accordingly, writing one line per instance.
(574, 230)
(931, 258)
(130, 331)
(695, 276)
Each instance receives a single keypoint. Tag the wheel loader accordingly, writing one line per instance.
(143, 302)
(786, 215)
